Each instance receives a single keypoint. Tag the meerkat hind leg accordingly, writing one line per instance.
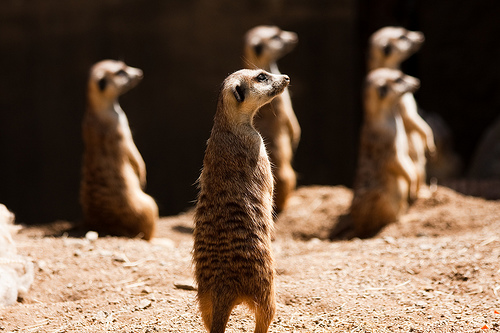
(215, 312)
(263, 317)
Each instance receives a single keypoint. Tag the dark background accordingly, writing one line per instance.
(186, 48)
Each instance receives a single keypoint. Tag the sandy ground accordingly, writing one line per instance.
(437, 270)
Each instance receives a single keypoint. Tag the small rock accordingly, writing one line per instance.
(91, 236)
(120, 258)
(390, 240)
(184, 286)
(421, 304)
(425, 247)
(147, 290)
(144, 303)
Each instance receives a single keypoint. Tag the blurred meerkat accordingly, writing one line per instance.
(114, 173)
(389, 47)
(276, 121)
(233, 217)
(385, 175)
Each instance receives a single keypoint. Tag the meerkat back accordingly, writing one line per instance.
(385, 176)
(275, 121)
(233, 217)
(114, 173)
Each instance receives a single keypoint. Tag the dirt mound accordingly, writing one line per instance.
(313, 212)
(434, 271)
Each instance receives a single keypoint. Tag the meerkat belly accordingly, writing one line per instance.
(108, 175)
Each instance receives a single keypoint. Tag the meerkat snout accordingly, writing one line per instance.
(417, 36)
(407, 84)
(413, 84)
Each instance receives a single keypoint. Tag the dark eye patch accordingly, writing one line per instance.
(102, 83)
(399, 80)
(382, 91)
(276, 37)
(258, 49)
(261, 77)
(387, 49)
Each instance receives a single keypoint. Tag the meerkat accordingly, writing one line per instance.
(388, 48)
(114, 173)
(385, 175)
(233, 216)
(275, 121)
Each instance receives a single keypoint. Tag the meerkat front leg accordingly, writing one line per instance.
(413, 122)
(404, 166)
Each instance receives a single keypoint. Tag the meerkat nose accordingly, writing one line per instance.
(287, 78)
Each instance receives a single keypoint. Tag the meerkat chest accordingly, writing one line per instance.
(123, 125)
(264, 158)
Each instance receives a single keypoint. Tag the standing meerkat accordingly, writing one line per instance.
(385, 175)
(114, 173)
(388, 48)
(276, 121)
(233, 218)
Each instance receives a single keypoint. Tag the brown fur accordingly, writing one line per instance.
(385, 176)
(388, 48)
(233, 219)
(276, 121)
(114, 173)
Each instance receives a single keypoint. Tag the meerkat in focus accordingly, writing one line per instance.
(388, 48)
(276, 121)
(114, 173)
(233, 217)
(385, 176)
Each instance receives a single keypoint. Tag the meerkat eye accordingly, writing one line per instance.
(261, 77)
(121, 72)
(276, 37)
(403, 37)
(399, 80)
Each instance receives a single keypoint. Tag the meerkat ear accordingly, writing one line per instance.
(382, 90)
(239, 93)
(387, 49)
(102, 83)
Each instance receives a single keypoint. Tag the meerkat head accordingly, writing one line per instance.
(110, 79)
(390, 46)
(266, 44)
(247, 90)
(384, 88)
